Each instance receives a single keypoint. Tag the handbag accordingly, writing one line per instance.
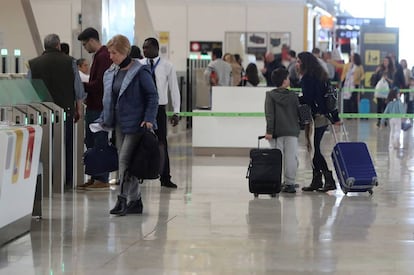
(145, 160)
(100, 159)
(406, 124)
(382, 88)
(305, 114)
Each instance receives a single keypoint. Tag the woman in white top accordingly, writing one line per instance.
(351, 78)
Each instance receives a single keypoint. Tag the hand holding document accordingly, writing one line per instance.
(97, 127)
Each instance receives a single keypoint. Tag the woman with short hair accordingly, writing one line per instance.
(130, 105)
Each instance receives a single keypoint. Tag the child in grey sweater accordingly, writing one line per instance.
(282, 125)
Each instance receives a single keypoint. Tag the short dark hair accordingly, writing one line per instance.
(135, 52)
(88, 33)
(292, 53)
(316, 51)
(279, 75)
(153, 42)
(64, 48)
(217, 52)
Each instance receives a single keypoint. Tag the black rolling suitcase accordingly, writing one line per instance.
(264, 171)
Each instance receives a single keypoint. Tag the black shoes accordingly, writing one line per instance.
(135, 207)
(288, 188)
(329, 182)
(168, 184)
(120, 207)
(316, 182)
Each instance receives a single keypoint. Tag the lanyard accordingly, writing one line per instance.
(154, 66)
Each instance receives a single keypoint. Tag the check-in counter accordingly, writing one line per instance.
(19, 163)
(230, 135)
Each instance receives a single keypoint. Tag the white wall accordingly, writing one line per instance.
(188, 20)
(191, 20)
(58, 16)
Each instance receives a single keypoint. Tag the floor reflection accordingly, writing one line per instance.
(211, 224)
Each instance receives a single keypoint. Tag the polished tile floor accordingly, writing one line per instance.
(212, 225)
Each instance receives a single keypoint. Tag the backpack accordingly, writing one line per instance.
(331, 102)
(145, 161)
(331, 97)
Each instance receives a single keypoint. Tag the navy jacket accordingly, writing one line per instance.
(137, 100)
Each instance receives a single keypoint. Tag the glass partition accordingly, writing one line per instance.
(23, 91)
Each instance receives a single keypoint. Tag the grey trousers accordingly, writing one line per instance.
(289, 148)
(129, 184)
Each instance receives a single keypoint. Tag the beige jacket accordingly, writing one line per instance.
(359, 73)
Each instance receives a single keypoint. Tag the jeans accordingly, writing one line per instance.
(95, 140)
(319, 162)
(126, 143)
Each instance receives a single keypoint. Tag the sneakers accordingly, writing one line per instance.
(168, 184)
(98, 186)
(289, 188)
(86, 184)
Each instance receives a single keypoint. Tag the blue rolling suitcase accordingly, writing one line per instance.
(354, 167)
(364, 106)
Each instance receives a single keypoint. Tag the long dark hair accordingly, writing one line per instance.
(252, 74)
(311, 66)
(356, 59)
(393, 94)
(391, 68)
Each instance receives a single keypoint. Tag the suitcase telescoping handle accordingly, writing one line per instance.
(342, 124)
(258, 140)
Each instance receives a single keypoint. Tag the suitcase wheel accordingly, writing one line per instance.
(370, 192)
(256, 195)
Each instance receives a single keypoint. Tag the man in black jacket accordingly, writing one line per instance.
(60, 75)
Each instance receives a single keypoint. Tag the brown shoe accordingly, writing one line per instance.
(86, 184)
(98, 186)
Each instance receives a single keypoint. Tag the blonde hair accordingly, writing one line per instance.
(120, 43)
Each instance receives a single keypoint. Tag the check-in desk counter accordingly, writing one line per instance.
(19, 162)
(230, 135)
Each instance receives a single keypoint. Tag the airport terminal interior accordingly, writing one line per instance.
(211, 224)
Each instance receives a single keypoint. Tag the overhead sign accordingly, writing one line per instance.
(347, 33)
(205, 46)
(352, 21)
